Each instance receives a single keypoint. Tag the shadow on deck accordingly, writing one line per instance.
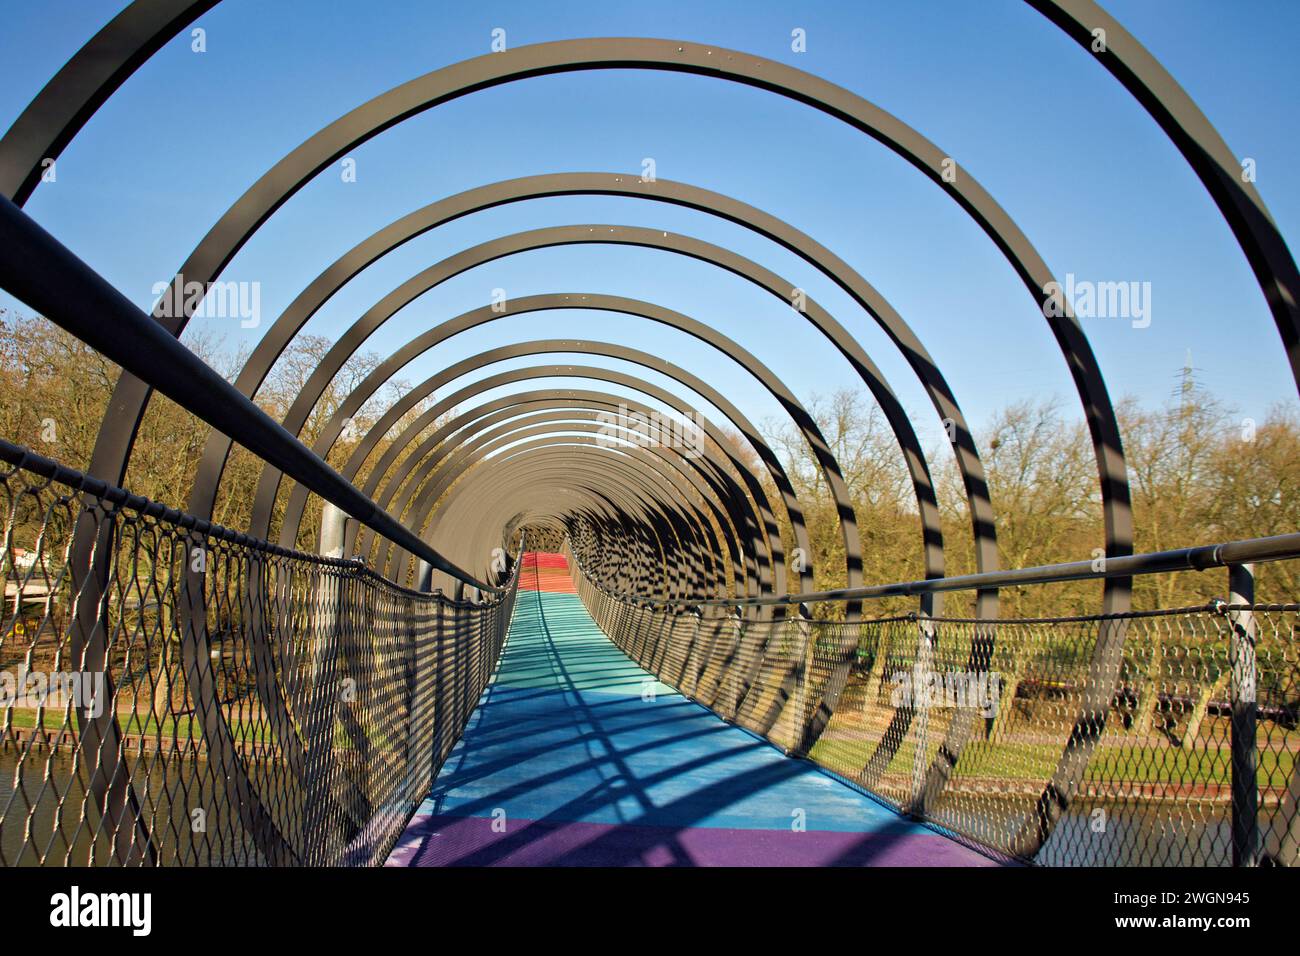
(578, 757)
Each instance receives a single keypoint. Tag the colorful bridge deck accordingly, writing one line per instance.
(577, 757)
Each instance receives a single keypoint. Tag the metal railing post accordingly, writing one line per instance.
(322, 691)
(422, 637)
(731, 674)
(1241, 657)
(423, 576)
(922, 690)
(802, 623)
(426, 693)
(692, 656)
(442, 692)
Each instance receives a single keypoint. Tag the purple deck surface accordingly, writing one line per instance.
(471, 841)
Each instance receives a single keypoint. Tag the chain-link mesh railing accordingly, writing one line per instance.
(182, 694)
(973, 725)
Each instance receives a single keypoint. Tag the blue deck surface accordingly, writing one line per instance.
(575, 755)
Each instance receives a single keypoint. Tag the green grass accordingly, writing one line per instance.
(185, 728)
(182, 727)
(1116, 762)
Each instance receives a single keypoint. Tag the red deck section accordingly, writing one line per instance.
(543, 571)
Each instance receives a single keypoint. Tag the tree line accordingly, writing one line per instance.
(1199, 473)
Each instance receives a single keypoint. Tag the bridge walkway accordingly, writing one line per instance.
(576, 756)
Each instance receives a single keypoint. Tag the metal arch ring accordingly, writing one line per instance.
(711, 484)
(298, 497)
(267, 488)
(571, 462)
(491, 484)
(678, 532)
(398, 446)
(548, 423)
(601, 511)
(646, 360)
(720, 482)
(477, 199)
(641, 476)
(408, 291)
(756, 493)
(456, 80)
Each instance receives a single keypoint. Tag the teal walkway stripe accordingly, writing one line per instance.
(577, 756)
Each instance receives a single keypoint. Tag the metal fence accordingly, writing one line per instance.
(972, 724)
(186, 695)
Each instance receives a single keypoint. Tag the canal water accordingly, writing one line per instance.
(175, 786)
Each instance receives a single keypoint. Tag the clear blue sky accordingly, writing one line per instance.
(1090, 178)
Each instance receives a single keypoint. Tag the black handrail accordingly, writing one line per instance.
(42, 272)
(1247, 551)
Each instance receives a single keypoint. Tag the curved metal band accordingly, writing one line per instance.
(479, 513)
(756, 497)
(573, 55)
(636, 494)
(713, 483)
(704, 479)
(928, 508)
(678, 569)
(430, 494)
(298, 496)
(375, 317)
(653, 489)
(722, 491)
(635, 356)
(417, 223)
(84, 84)
(1214, 163)
(338, 356)
(786, 674)
(610, 516)
(675, 468)
(829, 700)
(678, 468)
(491, 489)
